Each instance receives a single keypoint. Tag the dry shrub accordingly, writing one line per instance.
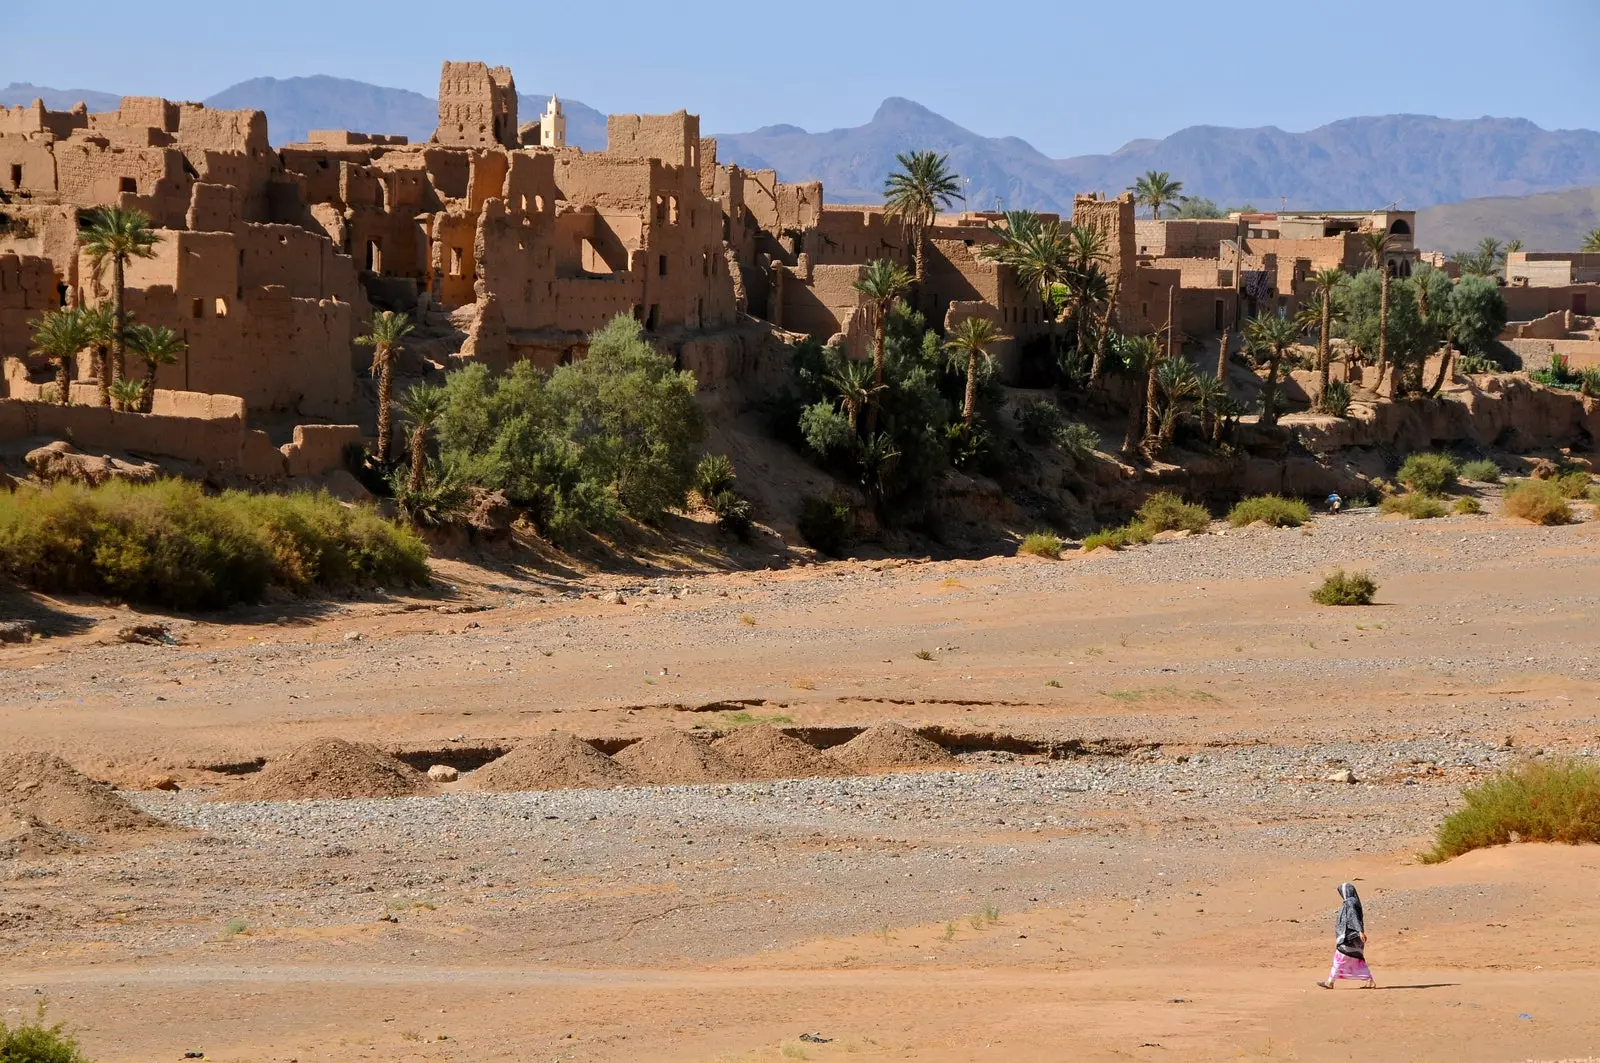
(1276, 510)
(1539, 501)
(1430, 474)
(1413, 505)
(1131, 534)
(1165, 511)
(1466, 506)
(1540, 801)
(1041, 544)
(1340, 588)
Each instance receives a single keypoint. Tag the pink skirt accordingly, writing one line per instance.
(1349, 967)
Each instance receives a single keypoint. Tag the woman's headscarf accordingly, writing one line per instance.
(1351, 922)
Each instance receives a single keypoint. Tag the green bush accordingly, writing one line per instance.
(1130, 534)
(1275, 510)
(733, 512)
(617, 431)
(1466, 506)
(1165, 511)
(1336, 400)
(1481, 470)
(1039, 421)
(1574, 483)
(713, 475)
(169, 544)
(438, 503)
(1041, 544)
(826, 524)
(1558, 374)
(1539, 501)
(1431, 474)
(1555, 801)
(1078, 440)
(38, 1043)
(1341, 588)
(1413, 505)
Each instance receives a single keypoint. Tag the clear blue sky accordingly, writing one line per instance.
(1069, 77)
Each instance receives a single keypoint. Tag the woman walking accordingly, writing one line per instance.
(1349, 942)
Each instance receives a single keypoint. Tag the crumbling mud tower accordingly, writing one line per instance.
(477, 106)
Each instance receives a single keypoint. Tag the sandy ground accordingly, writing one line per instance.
(1168, 894)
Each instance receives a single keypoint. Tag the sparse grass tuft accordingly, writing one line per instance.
(794, 1050)
(747, 620)
(1165, 511)
(1555, 801)
(924, 655)
(1275, 510)
(1133, 534)
(747, 719)
(1481, 470)
(1341, 588)
(976, 919)
(1429, 474)
(1466, 506)
(991, 915)
(234, 928)
(1539, 501)
(1041, 544)
(1053, 683)
(1414, 505)
(805, 684)
(949, 931)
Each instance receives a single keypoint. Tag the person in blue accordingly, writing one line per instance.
(1335, 503)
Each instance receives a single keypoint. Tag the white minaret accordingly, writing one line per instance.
(553, 126)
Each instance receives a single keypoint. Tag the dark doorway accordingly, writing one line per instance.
(1580, 303)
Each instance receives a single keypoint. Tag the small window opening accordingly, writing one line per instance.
(16, 175)
(654, 315)
(672, 210)
(374, 257)
(661, 265)
(456, 257)
(222, 307)
(197, 309)
(661, 209)
(127, 184)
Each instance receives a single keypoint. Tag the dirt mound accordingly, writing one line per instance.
(674, 756)
(330, 768)
(887, 746)
(553, 761)
(764, 752)
(43, 788)
(24, 835)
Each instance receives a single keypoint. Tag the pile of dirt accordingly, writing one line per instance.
(764, 752)
(553, 761)
(44, 790)
(888, 746)
(669, 757)
(328, 769)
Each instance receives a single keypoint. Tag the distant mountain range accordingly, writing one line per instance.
(1359, 163)
(1549, 221)
(295, 106)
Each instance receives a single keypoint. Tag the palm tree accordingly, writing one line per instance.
(115, 235)
(1039, 253)
(1377, 244)
(1222, 358)
(969, 341)
(1156, 189)
(388, 329)
(1098, 365)
(1591, 243)
(882, 282)
(59, 335)
(1086, 289)
(423, 405)
(853, 382)
(158, 346)
(915, 193)
(1273, 334)
(1138, 358)
(101, 321)
(1512, 247)
(1326, 281)
(1209, 394)
(1176, 379)
(128, 394)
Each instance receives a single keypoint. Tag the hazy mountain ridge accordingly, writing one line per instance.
(1548, 221)
(295, 106)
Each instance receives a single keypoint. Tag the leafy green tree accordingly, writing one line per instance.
(59, 335)
(1272, 335)
(1199, 208)
(853, 381)
(1408, 336)
(915, 193)
(1477, 314)
(969, 343)
(114, 235)
(156, 345)
(1156, 189)
(385, 336)
(883, 283)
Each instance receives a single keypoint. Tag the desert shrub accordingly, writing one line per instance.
(1342, 588)
(1539, 501)
(1589, 380)
(1540, 801)
(37, 1043)
(1574, 483)
(1413, 505)
(1466, 506)
(1041, 544)
(1336, 400)
(1481, 470)
(1078, 440)
(1131, 534)
(169, 544)
(1558, 374)
(733, 512)
(1165, 511)
(1276, 510)
(1039, 421)
(826, 523)
(713, 475)
(1475, 364)
(1431, 474)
